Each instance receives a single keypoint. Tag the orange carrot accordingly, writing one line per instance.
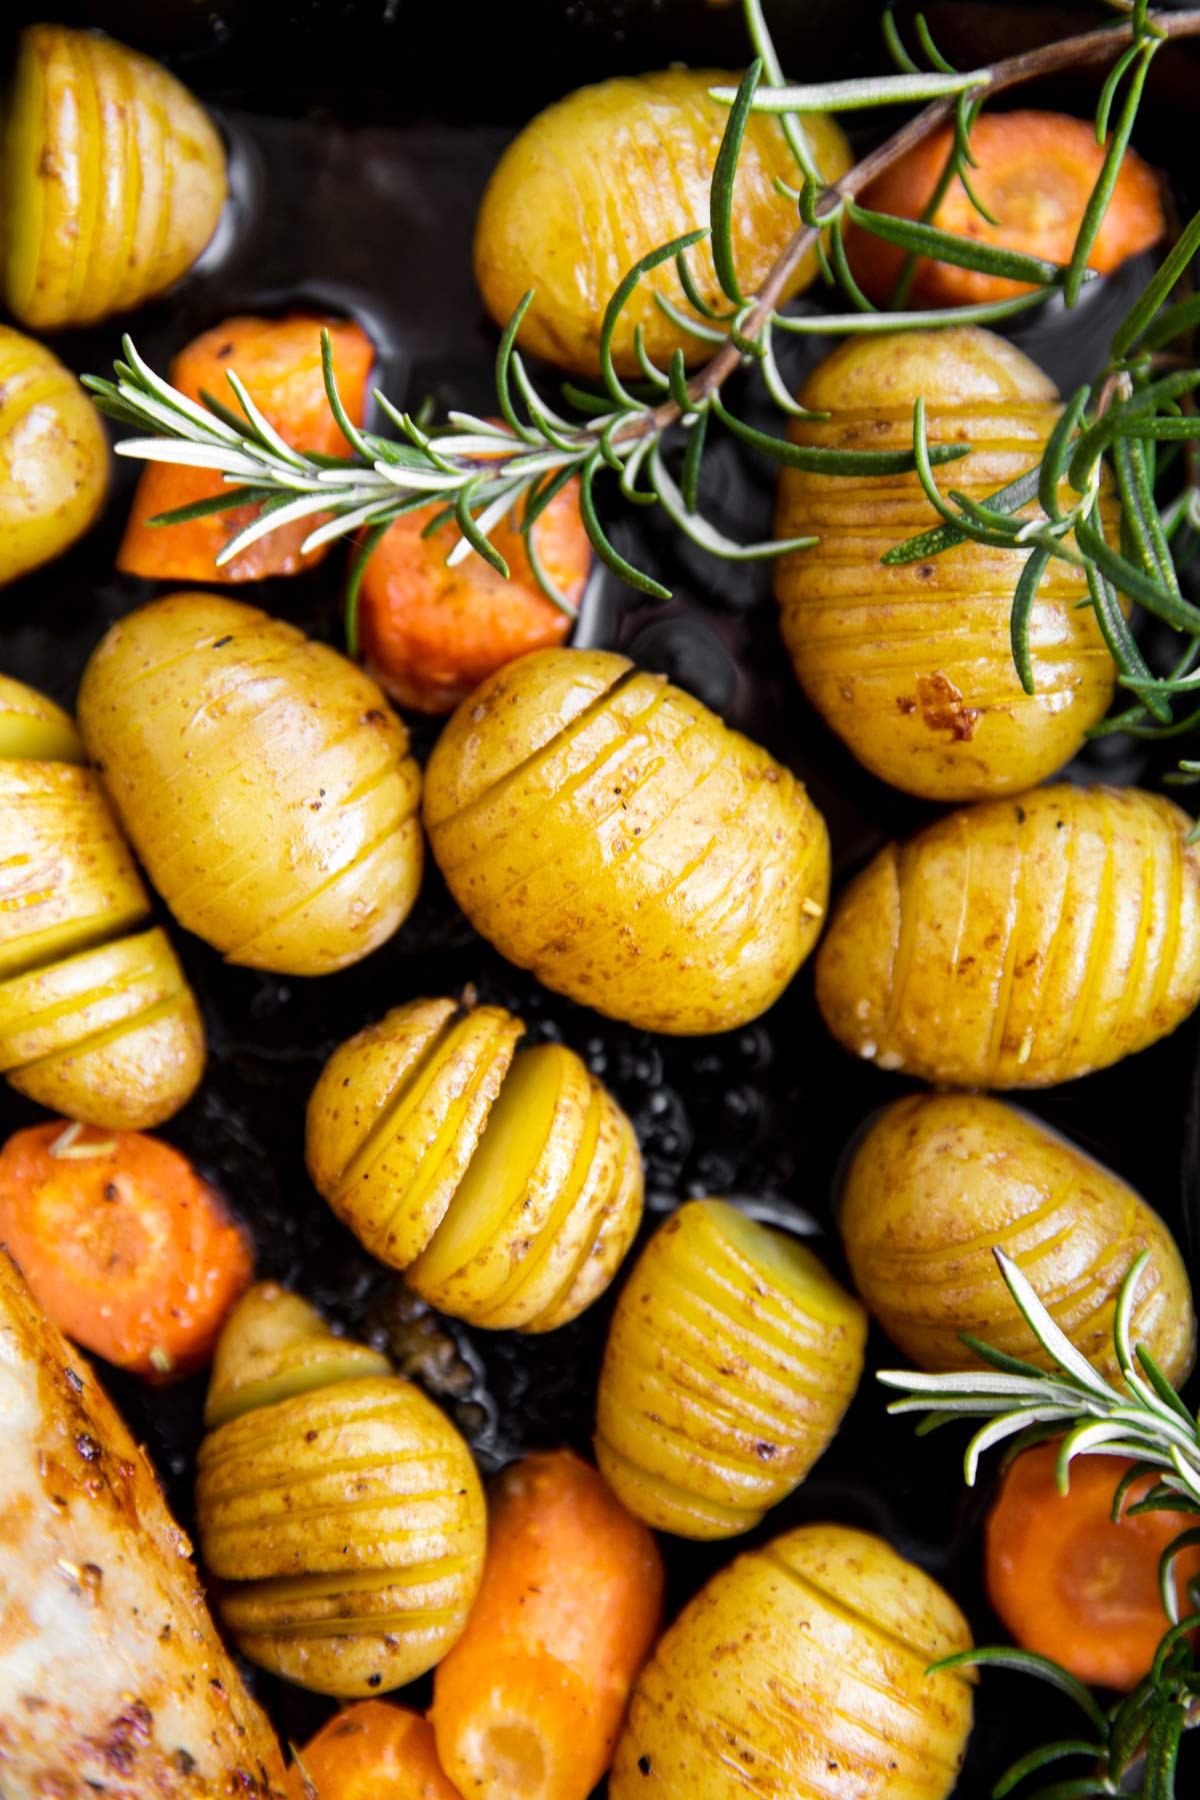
(279, 360)
(431, 633)
(528, 1704)
(373, 1751)
(1035, 176)
(1071, 1584)
(125, 1248)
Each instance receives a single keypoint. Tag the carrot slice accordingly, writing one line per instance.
(279, 360)
(124, 1246)
(528, 1703)
(1071, 1584)
(373, 1751)
(1035, 176)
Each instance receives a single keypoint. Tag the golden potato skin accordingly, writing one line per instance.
(507, 1189)
(1018, 943)
(548, 219)
(912, 666)
(53, 457)
(345, 1520)
(33, 727)
(262, 778)
(940, 1180)
(114, 179)
(607, 832)
(731, 1359)
(800, 1670)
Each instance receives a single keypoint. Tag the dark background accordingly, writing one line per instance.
(360, 137)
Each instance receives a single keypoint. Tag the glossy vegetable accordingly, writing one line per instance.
(122, 1244)
(731, 1359)
(1019, 942)
(801, 1669)
(33, 727)
(279, 362)
(913, 666)
(528, 1704)
(263, 779)
(114, 179)
(939, 1180)
(548, 221)
(375, 1751)
(1067, 1581)
(53, 457)
(606, 831)
(1034, 173)
(337, 1506)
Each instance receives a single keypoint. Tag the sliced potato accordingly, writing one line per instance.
(53, 461)
(33, 728)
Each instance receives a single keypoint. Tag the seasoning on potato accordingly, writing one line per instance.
(607, 832)
(940, 1180)
(912, 665)
(1018, 943)
(802, 1669)
(263, 779)
(549, 222)
(731, 1359)
(507, 1188)
(53, 457)
(114, 179)
(336, 1505)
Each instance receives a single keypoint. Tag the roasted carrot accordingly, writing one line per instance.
(1035, 176)
(1070, 1583)
(373, 1751)
(279, 360)
(123, 1245)
(528, 1703)
(432, 633)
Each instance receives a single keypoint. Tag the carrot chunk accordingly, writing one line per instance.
(123, 1245)
(373, 1751)
(528, 1703)
(279, 360)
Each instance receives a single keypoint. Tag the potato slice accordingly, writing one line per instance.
(33, 728)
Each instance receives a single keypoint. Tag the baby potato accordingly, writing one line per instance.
(912, 666)
(940, 1180)
(337, 1506)
(801, 1669)
(551, 219)
(263, 779)
(53, 457)
(606, 831)
(34, 728)
(1018, 943)
(114, 179)
(507, 1188)
(732, 1357)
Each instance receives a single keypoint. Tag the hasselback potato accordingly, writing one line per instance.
(263, 779)
(606, 831)
(1018, 943)
(114, 179)
(96, 1018)
(550, 219)
(337, 1506)
(732, 1356)
(53, 456)
(801, 1670)
(913, 666)
(940, 1180)
(508, 1189)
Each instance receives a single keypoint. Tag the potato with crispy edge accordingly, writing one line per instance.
(731, 1359)
(1018, 943)
(507, 1188)
(263, 779)
(53, 457)
(940, 1180)
(802, 1669)
(607, 832)
(606, 175)
(912, 666)
(337, 1506)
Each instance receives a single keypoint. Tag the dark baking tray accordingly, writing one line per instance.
(361, 136)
